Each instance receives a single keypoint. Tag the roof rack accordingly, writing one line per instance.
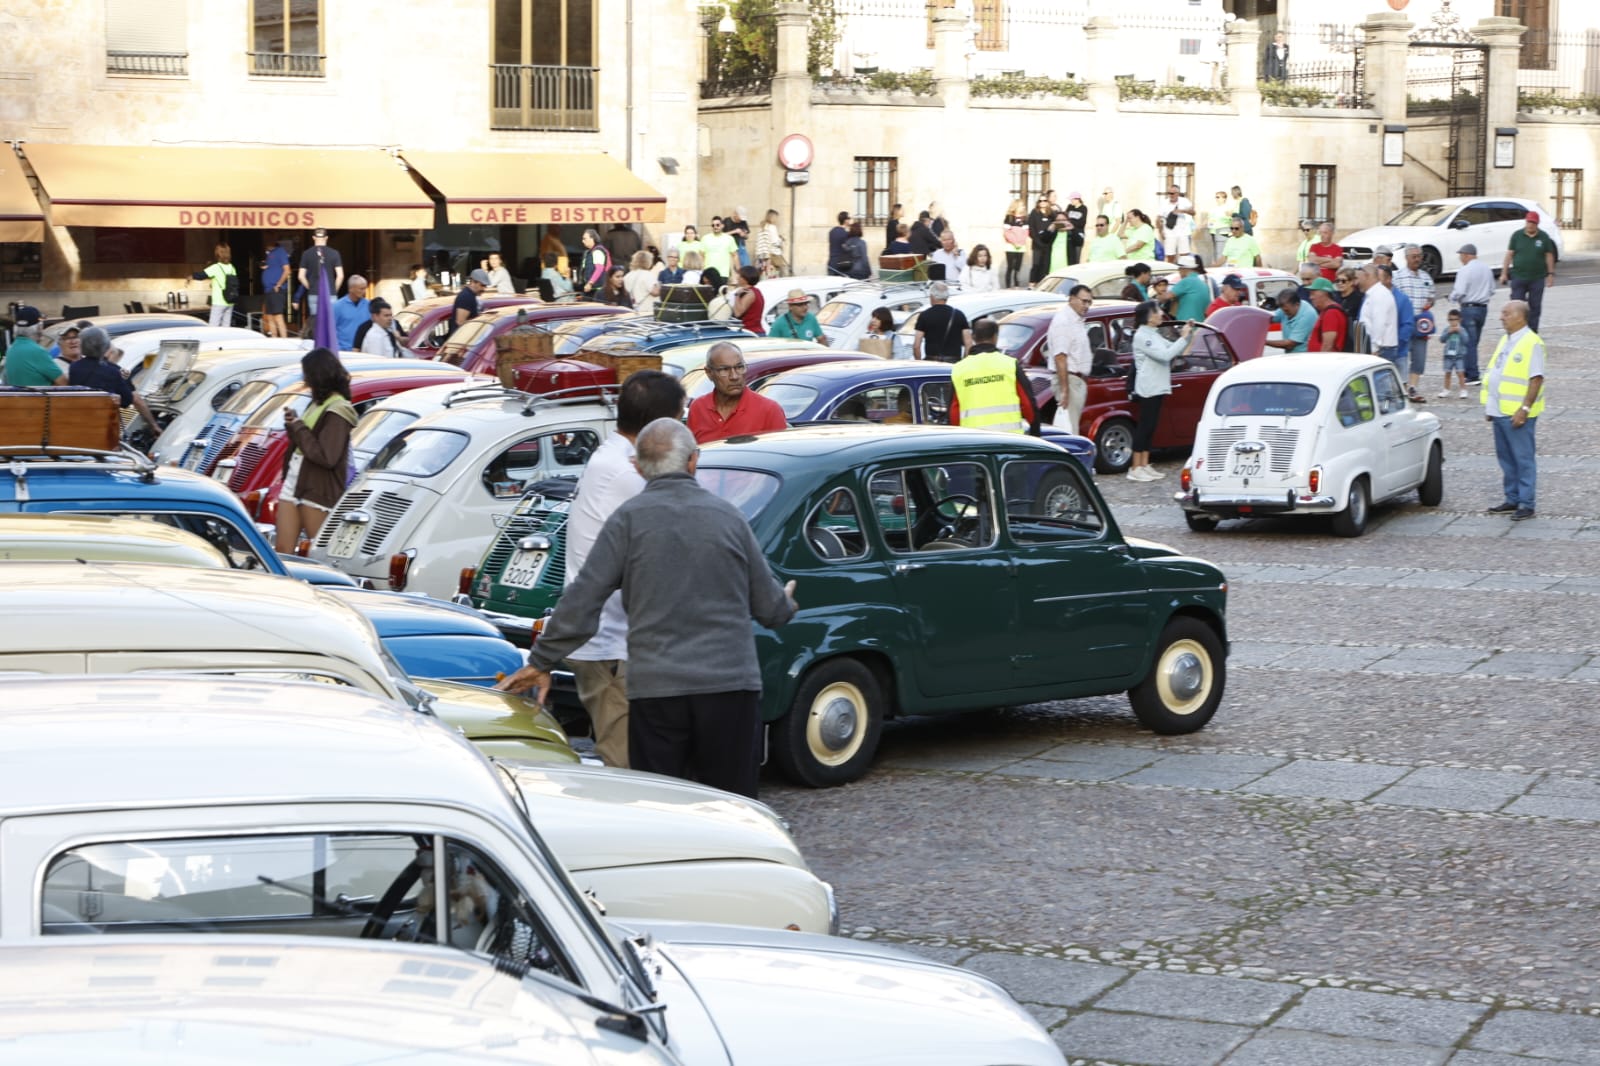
(651, 327)
(26, 458)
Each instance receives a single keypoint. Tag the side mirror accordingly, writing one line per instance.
(1459, 223)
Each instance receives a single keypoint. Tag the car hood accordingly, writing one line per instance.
(597, 817)
(882, 1007)
(482, 714)
(1245, 329)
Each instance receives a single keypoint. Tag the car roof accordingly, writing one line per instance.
(1314, 368)
(497, 410)
(845, 446)
(89, 743)
(1101, 308)
(1455, 200)
(869, 291)
(117, 481)
(823, 375)
(64, 536)
(397, 614)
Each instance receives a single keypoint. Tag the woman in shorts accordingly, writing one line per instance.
(318, 465)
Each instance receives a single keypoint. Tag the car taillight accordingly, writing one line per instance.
(252, 503)
(1186, 478)
(464, 585)
(1316, 478)
(399, 568)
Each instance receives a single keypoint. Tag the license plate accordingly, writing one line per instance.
(1247, 465)
(347, 540)
(523, 571)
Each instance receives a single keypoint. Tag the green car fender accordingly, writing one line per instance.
(872, 633)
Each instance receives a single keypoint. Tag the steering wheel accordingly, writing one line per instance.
(384, 909)
(966, 511)
(961, 498)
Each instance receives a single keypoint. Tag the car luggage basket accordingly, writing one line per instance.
(534, 402)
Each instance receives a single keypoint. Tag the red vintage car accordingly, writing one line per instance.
(473, 346)
(426, 323)
(252, 463)
(1229, 336)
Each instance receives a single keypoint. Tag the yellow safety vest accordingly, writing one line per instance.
(986, 389)
(1514, 377)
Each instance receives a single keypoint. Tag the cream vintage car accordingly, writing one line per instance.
(1314, 433)
(433, 497)
(353, 819)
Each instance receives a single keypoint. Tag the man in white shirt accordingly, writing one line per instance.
(600, 667)
(1071, 356)
(1378, 314)
(1473, 289)
(953, 258)
(1178, 224)
(380, 336)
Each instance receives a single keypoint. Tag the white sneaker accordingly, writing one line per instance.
(1444, 395)
(1462, 394)
(1152, 474)
(1137, 474)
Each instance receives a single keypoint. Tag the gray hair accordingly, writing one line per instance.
(354, 279)
(722, 346)
(94, 343)
(33, 332)
(663, 447)
(1409, 248)
(1310, 270)
(938, 291)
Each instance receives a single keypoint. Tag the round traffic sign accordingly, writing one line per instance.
(795, 152)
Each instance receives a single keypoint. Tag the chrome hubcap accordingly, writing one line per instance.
(836, 723)
(1186, 676)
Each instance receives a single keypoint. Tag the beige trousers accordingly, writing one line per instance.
(603, 688)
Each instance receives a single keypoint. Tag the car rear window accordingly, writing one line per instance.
(1271, 398)
(376, 429)
(1013, 335)
(839, 313)
(248, 398)
(420, 452)
(748, 490)
(794, 398)
(270, 414)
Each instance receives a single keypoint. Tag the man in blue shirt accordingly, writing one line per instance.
(1297, 319)
(275, 291)
(351, 312)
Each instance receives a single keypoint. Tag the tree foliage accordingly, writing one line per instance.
(751, 50)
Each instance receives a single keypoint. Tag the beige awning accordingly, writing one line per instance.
(227, 188)
(21, 218)
(519, 189)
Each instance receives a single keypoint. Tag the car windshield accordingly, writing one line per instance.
(406, 321)
(463, 340)
(1271, 398)
(794, 399)
(270, 414)
(420, 452)
(179, 386)
(377, 429)
(1421, 215)
(748, 490)
(1013, 335)
(839, 313)
(248, 398)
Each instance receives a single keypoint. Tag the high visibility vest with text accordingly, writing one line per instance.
(986, 389)
(1513, 376)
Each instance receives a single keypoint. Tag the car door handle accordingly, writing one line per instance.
(1386, 425)
(906, 568)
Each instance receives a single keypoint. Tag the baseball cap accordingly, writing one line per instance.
(74, 329)
(1531, 216)
(1188, 260)
(1469, 249)
(480, 276)
(1322, 285)
(1234, 281)
(1383, 249)
(798, 296)
(27, 316)
(319, 232)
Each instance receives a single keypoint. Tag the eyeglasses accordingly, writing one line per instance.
(1099, 225)
(736, 368)
(1236, 229)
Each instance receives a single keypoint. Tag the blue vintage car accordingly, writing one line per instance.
(892, 392)
(434, 638)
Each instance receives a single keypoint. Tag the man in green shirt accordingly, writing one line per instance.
(27, 365)
(798, 322)
(721, 250)
(1530, 266)
(1191, 294)
(1103, 245)
(1240, 249)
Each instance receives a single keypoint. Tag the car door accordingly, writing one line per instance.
(1192, 375)
(1398, 421)
(936, 524)
(933, 406)
(1493, 235)
(1082, 602)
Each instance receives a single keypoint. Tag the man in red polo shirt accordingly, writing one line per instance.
(730, 409)
(1325, 253)
(1329, 332)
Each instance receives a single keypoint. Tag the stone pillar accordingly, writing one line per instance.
(1504, 38)
(793, 39)
(791, 104)
(1244, 62)
(1387, 49)
(950, 56)
(1100, 34)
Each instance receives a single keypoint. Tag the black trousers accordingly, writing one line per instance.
(1041, 260)
(1013, 267)
(1149, 415)
(712, 737)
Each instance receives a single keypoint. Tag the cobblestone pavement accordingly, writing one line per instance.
(1382, 851)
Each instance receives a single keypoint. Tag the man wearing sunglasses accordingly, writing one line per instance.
(1240, 249)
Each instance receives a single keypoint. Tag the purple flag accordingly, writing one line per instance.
(326, 334)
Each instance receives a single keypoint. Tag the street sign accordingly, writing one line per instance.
(797, 177)
(795, 152)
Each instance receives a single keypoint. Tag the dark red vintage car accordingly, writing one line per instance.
(473, 347)
(1231, 335)
(426, 323)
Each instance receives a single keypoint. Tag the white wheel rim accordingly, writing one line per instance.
(1183, 677)
(836, 724)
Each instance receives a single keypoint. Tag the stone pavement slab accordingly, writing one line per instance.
(1375, 1016)
(1447, 799)
(1258, 653)
(1061, 771)
(1532, 663)
(948, 759)
(1433, 660)
(1281, 1048)
(1110, 755)
(1327, 779)
(1571, 787)
(1492, 1058)
(1199, 997)
(1556, 807)
(1507, 781)
(1148, 1041)
(1569, 1037)
(1057, 982)
(1221, 772)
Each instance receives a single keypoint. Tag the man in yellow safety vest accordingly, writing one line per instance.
(1512, 397)
(991, 389)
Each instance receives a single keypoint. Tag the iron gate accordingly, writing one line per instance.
(1462, 94)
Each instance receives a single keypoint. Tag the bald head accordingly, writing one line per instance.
(1514, 315)
(663, 447)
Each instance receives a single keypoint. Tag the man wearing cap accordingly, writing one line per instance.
(1191, 293)
(1530, 266)
(798, 322)
(731, 409)
(1299, 321)
(942, 333)
(1332, 324)
(1383, 255)
(1326, 254)
(68, 349)
(27, 365)
(1240, 249)
(1471, 293)
(467, 305)
(315, 261)
(1232, 294)
(350, 312)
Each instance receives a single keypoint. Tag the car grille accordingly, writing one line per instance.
(1356, 251)
(1221, 441)
(1281, 443)
(387, 510)
(202, 460)
(350, 501)
(552, 522)
(245, 462)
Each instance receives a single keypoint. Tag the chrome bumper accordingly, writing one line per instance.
(515, 628)
(1254, 502)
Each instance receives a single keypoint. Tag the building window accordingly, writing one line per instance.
(1537, 52)
(1316, 193)
(286, 38)
(875, 184)
(147, 37)
(1029, 179)
(991, 19)
(1566, 189)
(543, 74)
(1179, 174)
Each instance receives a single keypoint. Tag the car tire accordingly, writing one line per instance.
(831, 732)
(1201, 523)
(1431, 262)
(1113, 446)
(1186, 679)
(1431, 491)
(1057, 494)
(1352, 521)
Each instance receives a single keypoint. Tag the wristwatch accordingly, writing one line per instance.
(1525, 409)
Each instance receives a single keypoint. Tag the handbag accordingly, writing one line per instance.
(1015, 235)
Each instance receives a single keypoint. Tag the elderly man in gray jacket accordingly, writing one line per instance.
(692, 577)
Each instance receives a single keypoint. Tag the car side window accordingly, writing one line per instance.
(1507, 212)
(1391, 397)
(1208, 352)
(934, 508)
(509, 472)
(1354, 405)
(936, 403)
(834, 529)
(1269, 291)
(1047, 502)
(1475, 215)
(887, 404)
(574, 448)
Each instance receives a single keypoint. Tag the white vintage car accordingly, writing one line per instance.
(976, 306)
(131, 807)
(432, 498)
(844, 318)
(1440, 227)
(1328, 434)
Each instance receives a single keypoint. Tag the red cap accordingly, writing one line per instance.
(1531, 216)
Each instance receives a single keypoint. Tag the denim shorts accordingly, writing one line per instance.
(1454, 361)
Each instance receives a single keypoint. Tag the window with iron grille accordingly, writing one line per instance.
(1566, 189)
(875, 182)
(1536, 51)
(147, 37)
(544, 65)
(1179, 174)
(286, 38)
(988, 24)
(1029, 178)
(1316, 193)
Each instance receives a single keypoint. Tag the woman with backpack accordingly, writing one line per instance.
(855, 249)
(596, 265)
(224, 285)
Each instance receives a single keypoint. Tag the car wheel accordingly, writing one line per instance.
(1431, 262)
(1113, 446)
(1352, 521)
(831, 731)
(1431, 491)
(1057, 495)
(1201, 523)
(1184, 686)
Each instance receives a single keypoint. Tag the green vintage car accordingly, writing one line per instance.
(938, 569)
